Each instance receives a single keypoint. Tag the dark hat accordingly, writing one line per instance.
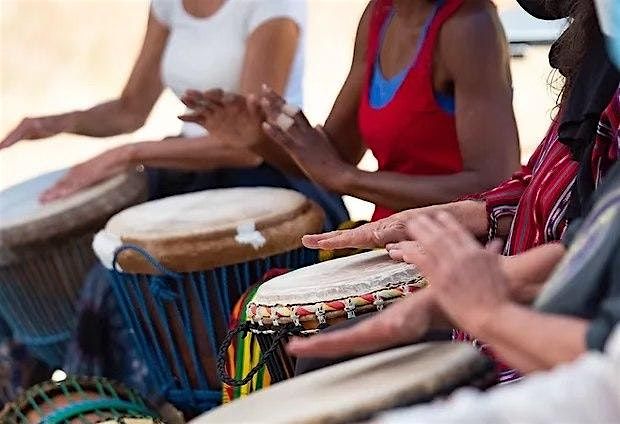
(547, 9)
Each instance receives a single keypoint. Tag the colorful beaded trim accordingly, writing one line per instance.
(296, 314)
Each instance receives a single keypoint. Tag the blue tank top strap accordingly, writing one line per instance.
(383, 90)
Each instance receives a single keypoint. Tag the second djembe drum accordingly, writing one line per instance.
(180, 263)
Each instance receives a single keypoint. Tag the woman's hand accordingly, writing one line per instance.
(231, 118)
(37, 128)
(106, 165)
(468, 279)
(367, 236)
(309, 147)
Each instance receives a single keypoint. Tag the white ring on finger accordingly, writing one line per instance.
(284, 121)
(291, 110)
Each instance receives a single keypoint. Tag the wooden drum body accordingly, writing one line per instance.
(45, 253)
(180, 263)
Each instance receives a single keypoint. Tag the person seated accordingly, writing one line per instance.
(576, 311)
(534, 207)
(182, 50)
(428, 92)
(552, 396)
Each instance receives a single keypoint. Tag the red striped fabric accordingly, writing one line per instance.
(538, 195)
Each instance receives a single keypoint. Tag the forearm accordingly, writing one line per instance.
(529, 340)
(191, 154)
(277, 157)
(528, 271)
(398, 191)
(107, 119)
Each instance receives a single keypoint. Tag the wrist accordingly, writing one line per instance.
(70, 122)
(482, 322)
(344, 179)
(128, 155)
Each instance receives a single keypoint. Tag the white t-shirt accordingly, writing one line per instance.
(206, 53)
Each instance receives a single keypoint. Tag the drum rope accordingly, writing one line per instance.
(159, 284)
(244, 328)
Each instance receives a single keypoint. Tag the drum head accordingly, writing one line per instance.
(23, 219)
(365, 281)
(336, 279)
(199, 231)
(362, 387)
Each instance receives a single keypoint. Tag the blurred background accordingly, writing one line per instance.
(62, 55)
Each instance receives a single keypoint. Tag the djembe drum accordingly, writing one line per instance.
(357, 389)
(45, 252)
(313, 298)
(180, 263)
(81, 400)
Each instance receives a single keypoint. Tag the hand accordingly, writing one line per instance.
(230, 118)
(468, 279)
(89, 173)
(367, 236)
(406, 251)
(36, 128)
(309, 147)
(406, 321)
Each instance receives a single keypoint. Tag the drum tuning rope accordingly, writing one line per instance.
(159, 284)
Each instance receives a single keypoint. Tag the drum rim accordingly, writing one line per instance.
(313, 315)
(480, 374)
(85, 217)
(203, 252)
(228, 228)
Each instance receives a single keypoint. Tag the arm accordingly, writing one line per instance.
(122, 115)
(190, 154)
(528, 271)
(473, 52)
(469, 213)
(341, 125)
(529, 340)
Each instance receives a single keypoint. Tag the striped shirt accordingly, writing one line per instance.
(537, 196)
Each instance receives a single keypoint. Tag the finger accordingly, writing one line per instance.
(12, 138)
(365, 337)
(195, 118)
(454, 229)
(357, 238)
(274, 98)
(253, 105)
(426, 231)
(396, 254)
(277, 135)
(60, 190)
(311, 240)
(215, 95)
(270, 110)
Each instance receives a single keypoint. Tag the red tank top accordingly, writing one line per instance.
(412, 134)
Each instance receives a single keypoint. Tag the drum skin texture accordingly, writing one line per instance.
(201, 231)
(357, 389)
(179, 264)
(45, 253)
(77, 400)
